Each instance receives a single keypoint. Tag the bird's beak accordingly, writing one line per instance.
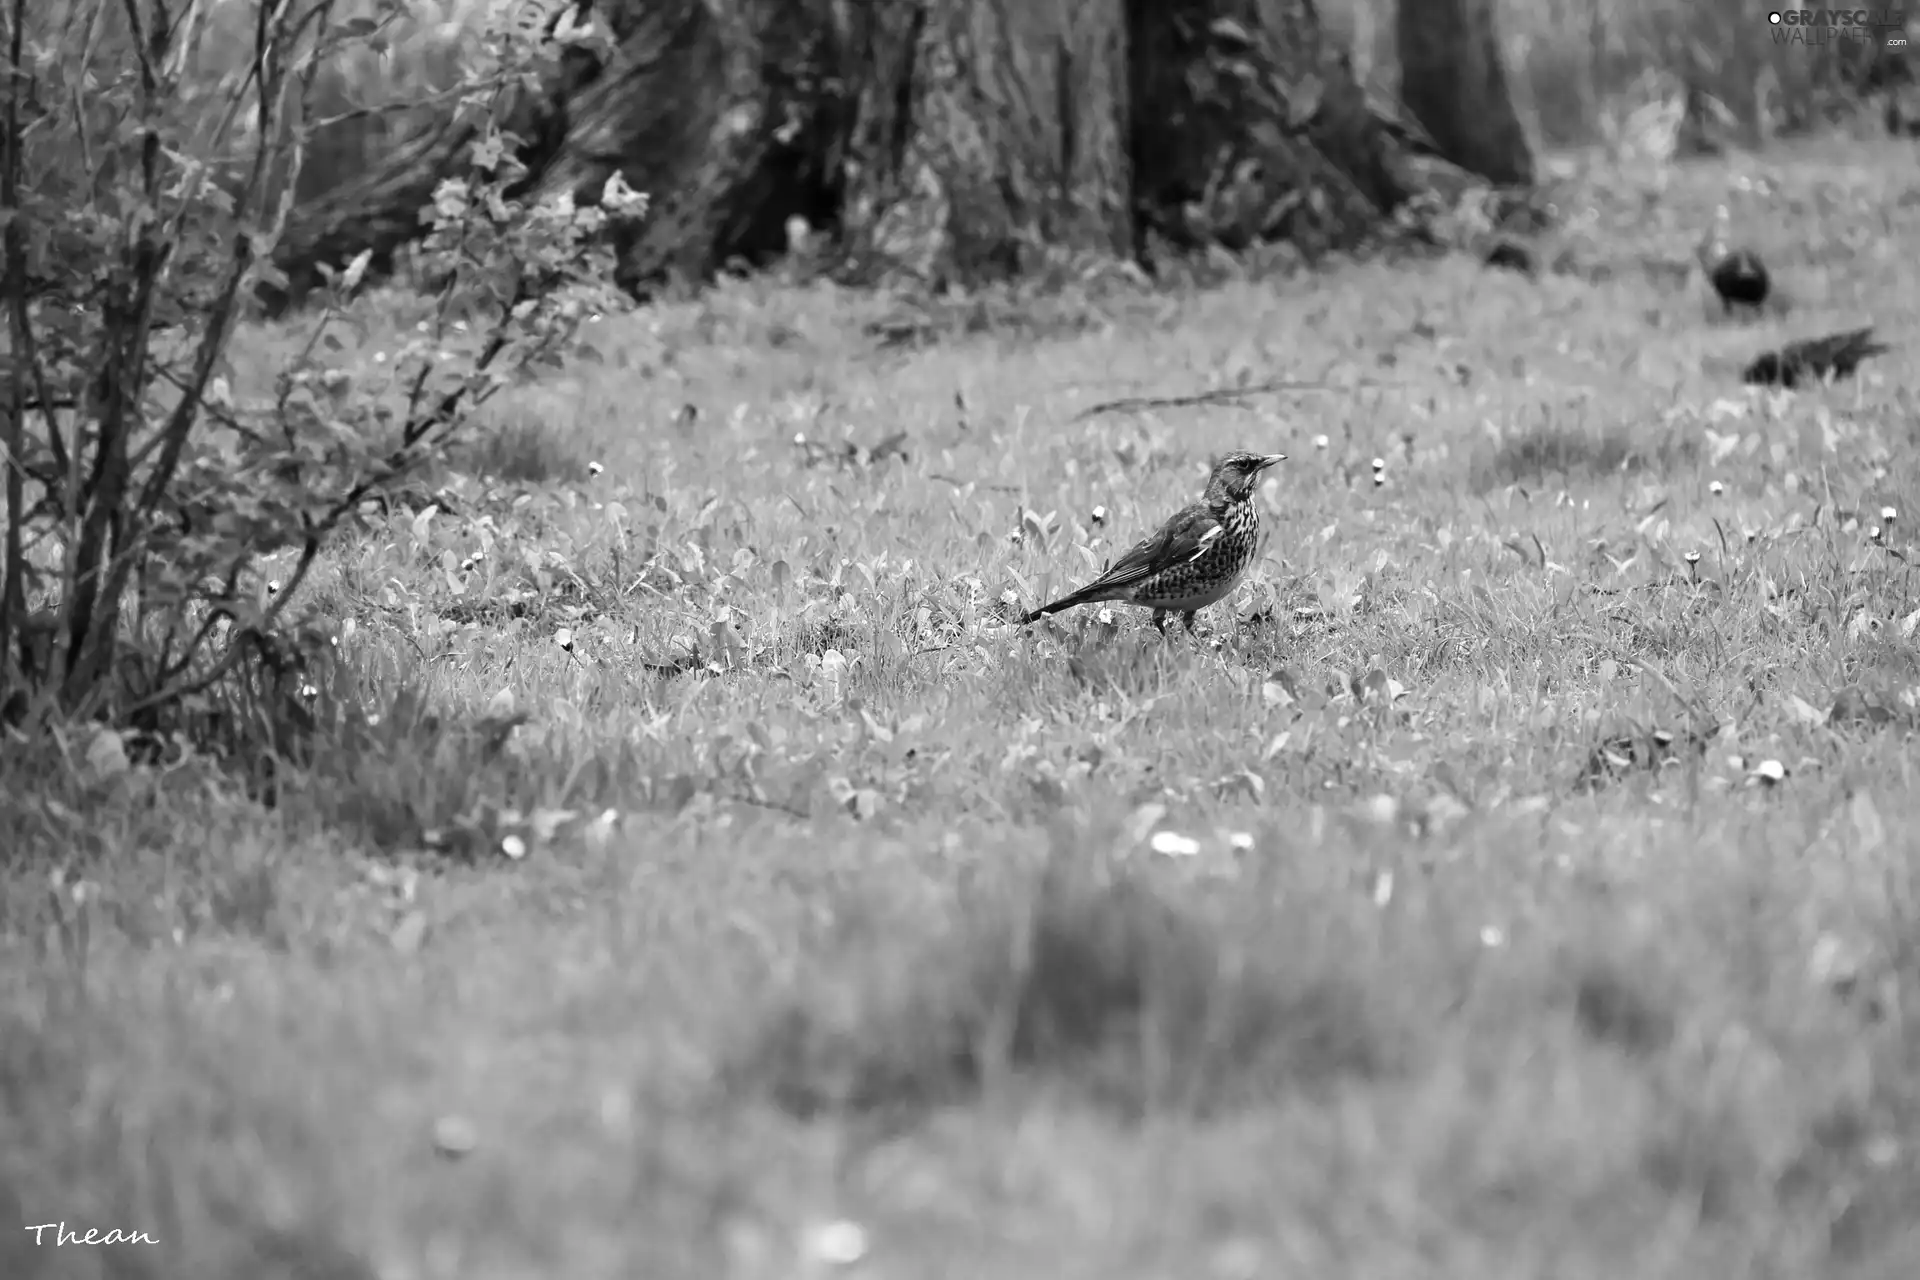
(1271, 460)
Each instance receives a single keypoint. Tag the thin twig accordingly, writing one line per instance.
(1220, 395)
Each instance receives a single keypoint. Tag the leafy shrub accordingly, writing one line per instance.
(143, 494)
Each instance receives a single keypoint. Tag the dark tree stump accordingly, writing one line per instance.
(1453, 82)
(673, 114)
(1248, 124)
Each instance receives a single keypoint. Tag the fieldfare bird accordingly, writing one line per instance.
(1195, 558)
(1813, 359)
(1740, 277)
(1510, 255)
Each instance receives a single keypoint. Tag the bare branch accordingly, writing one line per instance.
(13, 605)
(1220, 395)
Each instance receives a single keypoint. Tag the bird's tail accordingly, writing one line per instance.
(1064, 602)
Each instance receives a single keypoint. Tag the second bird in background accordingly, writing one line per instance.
(1813, 359)
(1741, 279)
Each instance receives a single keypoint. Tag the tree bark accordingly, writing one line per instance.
(380, 208)
(1248, 124)
(379, 211)
(675, 115)
(1454, 83)
(987, 136)
(939, 140)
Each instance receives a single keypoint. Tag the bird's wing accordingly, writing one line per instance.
(1185, 537)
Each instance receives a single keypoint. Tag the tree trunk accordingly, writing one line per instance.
(941, 140)
(676, 116)
(987, 135)
(1248, 125)
(1453, 82)
(380, 211)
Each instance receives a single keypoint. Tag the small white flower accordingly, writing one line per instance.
(514, 847)
(107, 754)
(1241, 841)
(594, 468)
(564, 638)
(455, 1136)
(1831, 962)
(600, 829)
(1888, 515)
(1493, 936)
(1382, 808)
(1716, 488)
(1174, 845)
(1321, 442)
(839, 1243)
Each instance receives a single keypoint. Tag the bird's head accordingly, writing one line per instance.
(1235, 475)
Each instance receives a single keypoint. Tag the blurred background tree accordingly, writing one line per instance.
(1452, 80)
(942, 140)
(964, 141)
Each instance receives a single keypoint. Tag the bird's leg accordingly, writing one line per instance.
(1160, 620)
(1188, 617)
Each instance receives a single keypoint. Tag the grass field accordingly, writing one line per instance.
(1435, 912)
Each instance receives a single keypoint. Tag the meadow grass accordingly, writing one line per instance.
(1431, 913)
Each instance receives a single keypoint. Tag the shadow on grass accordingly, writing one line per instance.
(396, 771)
(1538, 452)
(1105, 989)
(527, 451)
